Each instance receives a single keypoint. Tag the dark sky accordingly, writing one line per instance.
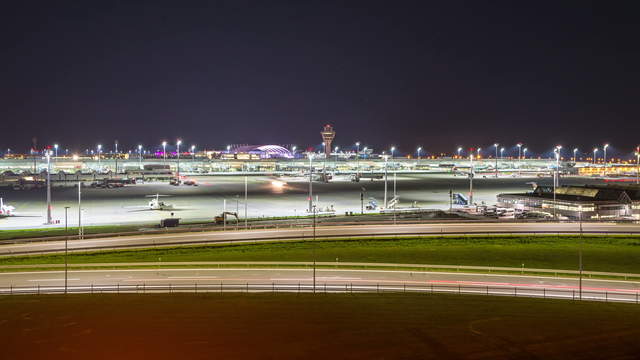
(437, 74)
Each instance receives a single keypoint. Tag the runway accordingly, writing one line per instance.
(156, 240)
(232, 279)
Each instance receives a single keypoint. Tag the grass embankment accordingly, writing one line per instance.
(296, 326)
(600, 253)
(47, 232)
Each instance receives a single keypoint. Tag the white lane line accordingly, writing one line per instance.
(40, 280)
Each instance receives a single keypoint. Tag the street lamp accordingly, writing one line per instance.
(595, 151)
(459, 151)
(66, 240)
(49, 220)
(140, 155)
(336, 151)
(193, 152)
(310, 155)
(99, 151)
(575, 151)
(393, 149)
(293, 150)
(556, 180)
(55, 146)
(524, 153)
(479, 149)
(605, 159)
(501, 151)
(496, 146)
(638, 165)
(357, 159)
(418, 151)
(471, 177)
(519, 145)
(164, 151)
(178, 154)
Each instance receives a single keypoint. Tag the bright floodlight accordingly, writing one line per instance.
(393, 148)
(164, 143)
(179, 142)
(228, 147)
(139, 147)
(357, 143)
(99, 147)
(55, 146)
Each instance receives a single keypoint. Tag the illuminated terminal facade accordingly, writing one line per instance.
(586, 201)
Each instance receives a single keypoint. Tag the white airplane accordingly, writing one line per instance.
(5, 210)
(156, 204)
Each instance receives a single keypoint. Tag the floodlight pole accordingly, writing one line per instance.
(66, 240)
(245, 202)
(80, 210)
(313, 246)
(638, 165)
(580, 251)
(49, 219)
(385, 182)
(310, 182)
(471, 178)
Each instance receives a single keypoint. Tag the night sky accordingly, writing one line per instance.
(436, 74)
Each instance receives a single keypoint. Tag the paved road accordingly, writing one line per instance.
(334, 278)
(298, 233)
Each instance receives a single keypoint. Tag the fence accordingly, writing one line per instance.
(630, 296)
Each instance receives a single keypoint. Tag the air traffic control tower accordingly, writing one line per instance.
(327, 137)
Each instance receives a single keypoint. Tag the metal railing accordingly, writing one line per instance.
(628, 296)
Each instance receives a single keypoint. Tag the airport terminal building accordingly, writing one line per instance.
(593, 201)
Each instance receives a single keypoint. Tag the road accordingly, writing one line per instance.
(335, 279)
(307, 232)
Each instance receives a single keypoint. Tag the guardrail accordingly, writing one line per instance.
(630, 296)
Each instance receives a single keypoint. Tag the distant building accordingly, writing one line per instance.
(327, 137)
(259, 152)
(594, 201)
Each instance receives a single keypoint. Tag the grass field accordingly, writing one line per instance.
(601, 253)
(304, 326)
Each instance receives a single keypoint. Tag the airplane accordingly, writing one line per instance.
(6, 210)
(156, 204)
